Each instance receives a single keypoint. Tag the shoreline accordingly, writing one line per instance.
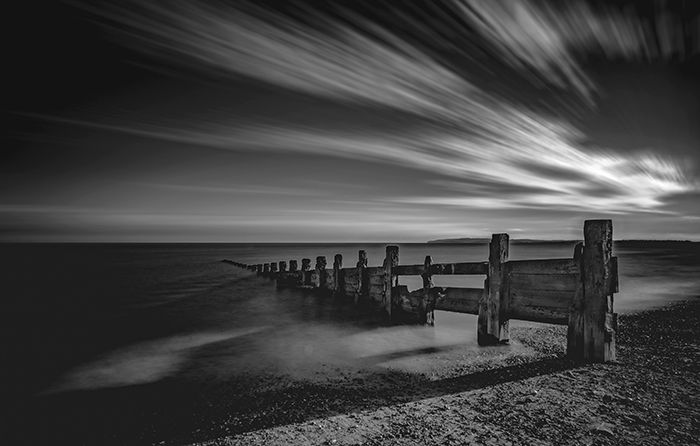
(649, 396)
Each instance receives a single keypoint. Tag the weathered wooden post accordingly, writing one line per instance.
(320, 281)
(426, 314)
(273, 269)
(293, 266)
(266, 269)
(492, 325)
(592, 323)
(283, 266)
(391, 260)
(259, 269)
(305, 274)
(338, 285)
(362, 280)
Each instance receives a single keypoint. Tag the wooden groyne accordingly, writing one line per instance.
(576, 291)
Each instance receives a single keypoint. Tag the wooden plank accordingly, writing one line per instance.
(459, 300)
(376, 278)
(408, 270)
(547, 266)
(550, 306)
(376, 293)
(557, 282)
(459, 268)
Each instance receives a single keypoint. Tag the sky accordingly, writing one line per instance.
(194, 121)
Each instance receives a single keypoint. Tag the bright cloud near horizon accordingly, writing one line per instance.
(207, 121)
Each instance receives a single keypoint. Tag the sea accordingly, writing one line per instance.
(95, 319)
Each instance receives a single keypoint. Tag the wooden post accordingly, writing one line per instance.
(592, 323)
(293, 266)
(273, 269)
(391, 260)
(338, 285)
(266, 269)
(259, 269)
(283, 266)
(320, 272)
(305, 267)
(426, 315)
(361, 274)
(492, 325)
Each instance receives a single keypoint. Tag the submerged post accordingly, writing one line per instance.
(426, 314)
(391, 260)
(492, 325)
(592, 323)
(320, 281)
(338, 285)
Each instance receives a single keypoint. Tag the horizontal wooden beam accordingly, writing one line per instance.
(545, 266)
(459, 300)
(442, 268)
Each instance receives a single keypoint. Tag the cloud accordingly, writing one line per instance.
(551, 39)
(467, 132)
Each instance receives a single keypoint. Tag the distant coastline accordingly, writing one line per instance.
(479, 241)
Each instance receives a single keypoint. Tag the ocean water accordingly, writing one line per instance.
(88, 317)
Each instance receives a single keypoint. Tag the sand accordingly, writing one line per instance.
(649, 396)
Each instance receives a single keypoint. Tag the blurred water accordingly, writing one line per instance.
(80, 317)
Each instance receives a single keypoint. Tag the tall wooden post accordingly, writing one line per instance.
(293, 266)
(259, 269)
(592, 323)
(273, 269)
(338, 285)
(266, 269)
(492, 325)
(391, 260)
(426, 315)
(362, 280)
(320, 272)
(283, 266)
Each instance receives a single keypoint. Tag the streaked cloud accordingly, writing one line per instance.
(553, 39)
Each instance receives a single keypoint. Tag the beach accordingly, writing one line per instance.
(649, 396)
